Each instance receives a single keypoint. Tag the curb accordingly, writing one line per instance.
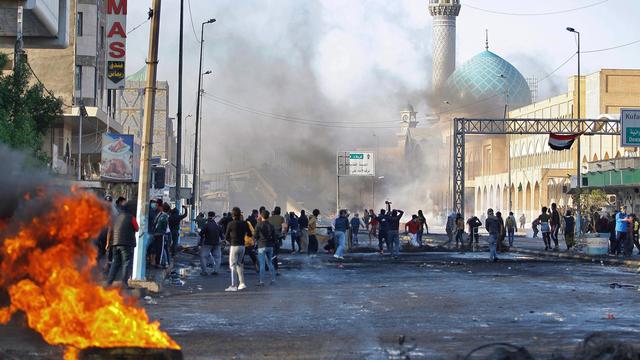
(580, 257)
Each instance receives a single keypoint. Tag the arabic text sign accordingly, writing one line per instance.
(356, 163)
(630, 127)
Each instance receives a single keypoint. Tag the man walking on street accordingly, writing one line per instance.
(279, 225)
(237, 229)
(210, 245)
(450, 228)
(569, 229)
(511, 225)
(492, 224)
(340, 224)
(622, 221)
(303, 223)
(555, 226)
(355, 228)
(523, 220)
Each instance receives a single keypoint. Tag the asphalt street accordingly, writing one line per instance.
(437, 305)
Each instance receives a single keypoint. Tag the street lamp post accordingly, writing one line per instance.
(200, 142)
(578, 174)
(506, 108)
(194, 189)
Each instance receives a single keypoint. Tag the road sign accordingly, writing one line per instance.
(356, 163)
(630, 127)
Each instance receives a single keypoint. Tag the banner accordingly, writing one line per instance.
(116, 43)
(117, 158)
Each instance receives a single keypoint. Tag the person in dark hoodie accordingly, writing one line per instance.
(122, 242)
(383, 228)
(174, 227)
(210, 245)
(236, 230)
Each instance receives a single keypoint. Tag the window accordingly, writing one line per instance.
(79, 23)
(78, 80)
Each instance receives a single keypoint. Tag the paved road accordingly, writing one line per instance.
(445, 304)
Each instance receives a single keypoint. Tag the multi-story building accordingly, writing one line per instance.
(73, 69)
(130, 113)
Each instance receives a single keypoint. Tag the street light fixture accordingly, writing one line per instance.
(194, 190)
(578, 165)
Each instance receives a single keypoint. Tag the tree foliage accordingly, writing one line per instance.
(591, 200)
(27, 110)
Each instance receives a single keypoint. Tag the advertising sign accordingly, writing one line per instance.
(117, 158)
(630, 127)
(116, 43)
(356, 163)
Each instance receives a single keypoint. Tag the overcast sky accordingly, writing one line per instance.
(356, 60)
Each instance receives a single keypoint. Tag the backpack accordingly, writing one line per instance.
(510, 223)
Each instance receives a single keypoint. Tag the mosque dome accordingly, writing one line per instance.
(480, 78)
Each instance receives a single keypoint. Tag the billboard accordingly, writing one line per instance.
(630, 127)
(356, 163)
(117, 158)
(116, 43)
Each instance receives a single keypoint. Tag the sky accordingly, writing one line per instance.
(356, 61)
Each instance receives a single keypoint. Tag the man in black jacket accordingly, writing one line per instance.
(235, 232)
(174, 227)
(122, 242)
(210, 245)
(265, 237)
(394, 231)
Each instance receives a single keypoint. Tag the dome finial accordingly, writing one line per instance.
(486, 39)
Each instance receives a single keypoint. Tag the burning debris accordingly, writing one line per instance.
(47, 262)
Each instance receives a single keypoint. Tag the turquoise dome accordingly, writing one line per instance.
(479, 79)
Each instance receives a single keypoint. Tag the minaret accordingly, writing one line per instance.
(444, 14)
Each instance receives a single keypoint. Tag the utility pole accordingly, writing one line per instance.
(145, 151)
(578, 174)
(179, 114)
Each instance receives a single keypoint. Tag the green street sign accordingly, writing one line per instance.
(356, 156)
(632, 135)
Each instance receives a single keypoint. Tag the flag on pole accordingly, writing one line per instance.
(562, 142)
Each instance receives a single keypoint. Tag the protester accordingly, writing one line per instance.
(622, 243)
(236, 230)
(160, 231)
(122, 242)
(313, 240)
(555, 225)
(279, 225)
(422, 226)
(412, 227)
(502, 233)
(366, 218)
(492, 224)
(340, 224)
(569, 229)
(294, 231)
(373, 227)
(636, 228)
(534, 227)
(474, 225)
(249, 243)
(174, 227)
(210, 252)
(545, 228)
(265, 237)
(303, 222)
(459, 231)
(511, 226)
(383, 230)
(394, 231)
(201, 221)
(355, 228)
(523, 220)
(450, 228)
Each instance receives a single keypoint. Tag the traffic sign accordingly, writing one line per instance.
(356, 163)
(630, 127)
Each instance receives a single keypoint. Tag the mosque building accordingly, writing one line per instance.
(488, 86)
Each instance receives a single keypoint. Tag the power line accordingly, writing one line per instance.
(305, 122)
(557, 68)
(137, 26)
(231, 103)
(610, 48)
(536, 14)
(193, 27)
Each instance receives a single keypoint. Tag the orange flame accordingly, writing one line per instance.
(46, 266)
